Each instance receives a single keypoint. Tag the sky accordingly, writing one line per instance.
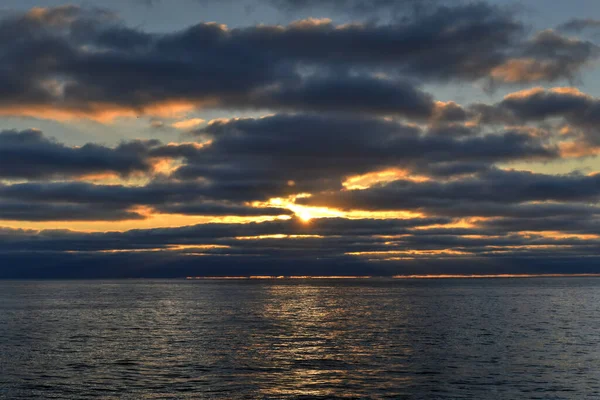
(154, 138)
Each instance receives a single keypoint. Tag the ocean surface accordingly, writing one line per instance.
(534, 338)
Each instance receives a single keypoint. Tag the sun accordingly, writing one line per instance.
(304, 215)
(307, 213)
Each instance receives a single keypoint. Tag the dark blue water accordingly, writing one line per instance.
(426, 339)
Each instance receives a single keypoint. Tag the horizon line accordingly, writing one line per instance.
(419, 276)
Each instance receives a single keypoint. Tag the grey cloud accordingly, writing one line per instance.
(473, 196)
(579, 25)
(317, 152)
(212, 233)
(256, 159)
(587, 224)
(86, 201)
(282, 256)
(558, 56)
(88, 65)
(212, 208)
(30, 155)
(348, 94)
(44, 211)
(538, 105)
(355, 7)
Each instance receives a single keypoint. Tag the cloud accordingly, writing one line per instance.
(68, 201)
(212, 208)
(30, 155)
(75, 63)
(484, 194)
(317, 152)
(244, 160)
(187, 123)
(212, 233)
(248, 159)
(548, 56)
(353, 7)
(576, 109)
(579, 25)
(44, 211)
(408, 183)
(356, 94)
(332, 246)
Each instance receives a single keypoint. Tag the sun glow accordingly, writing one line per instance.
(307, 213)
(304, 215)
(360, 182)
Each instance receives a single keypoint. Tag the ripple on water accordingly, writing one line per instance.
(496, 339)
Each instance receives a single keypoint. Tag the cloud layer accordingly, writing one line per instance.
(72, 63)
(336, 155)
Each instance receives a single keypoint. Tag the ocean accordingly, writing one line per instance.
(526, 338)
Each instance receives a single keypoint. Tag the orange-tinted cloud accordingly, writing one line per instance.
(365, 181)
(187, 123)
(100, 112)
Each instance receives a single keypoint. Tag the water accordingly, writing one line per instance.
(426, 339)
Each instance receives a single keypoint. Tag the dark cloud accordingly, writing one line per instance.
(452, 130)
(208, 234)
(234, 249)
(548, 56)
(317, 152)
(481, 195)
(539, 104)
(558, 56)
(87, 201)
(212, 208)
(338, 238)
(72, 62)
(30, 155)
(148, 265)
(577, 109)
(45, 211)
(583, 224)
(251, 159)
(361, 94)
(355, 7)
(448, 113)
